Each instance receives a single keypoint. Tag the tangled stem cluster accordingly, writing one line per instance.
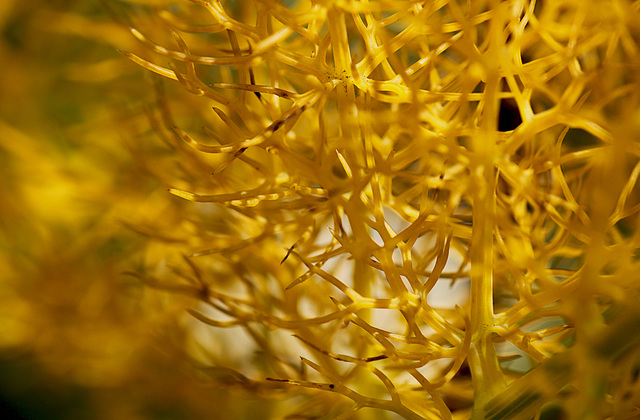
(346, 161)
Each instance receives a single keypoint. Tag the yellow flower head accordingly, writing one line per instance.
(418, 207)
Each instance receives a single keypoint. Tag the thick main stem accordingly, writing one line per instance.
(487, 375)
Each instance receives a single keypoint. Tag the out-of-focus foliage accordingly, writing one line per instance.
(78, 338)
(334, 169)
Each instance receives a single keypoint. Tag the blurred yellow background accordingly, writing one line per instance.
(78, 338)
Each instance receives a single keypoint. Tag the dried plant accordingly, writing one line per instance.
(339, 166)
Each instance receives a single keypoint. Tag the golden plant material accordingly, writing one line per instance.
(348, 161)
